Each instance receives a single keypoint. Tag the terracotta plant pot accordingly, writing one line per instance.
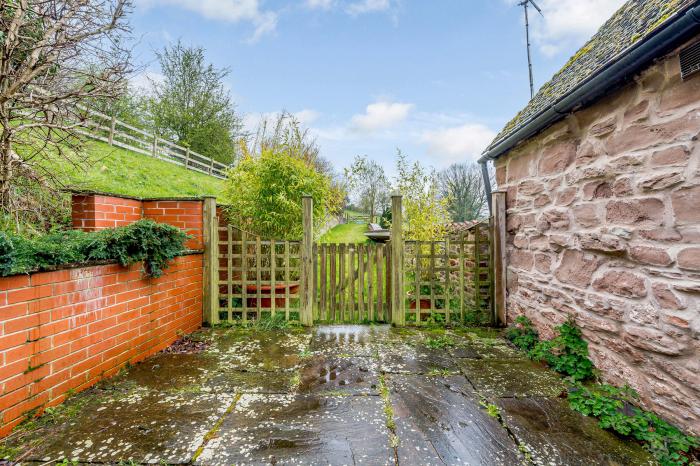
(424, 304)
(266, 299)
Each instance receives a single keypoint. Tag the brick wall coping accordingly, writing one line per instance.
(84, 192)
(94, 263)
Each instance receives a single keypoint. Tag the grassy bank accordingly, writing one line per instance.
(119, 171)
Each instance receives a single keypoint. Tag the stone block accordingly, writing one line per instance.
(689, 258)
(661, 181)
(650, 255)
(556, 158)
(685, 203)
(597, 190)
(577, 268)
(633, 212)
(622, 283)
(601, 242)
(654, 340)
(673, 156)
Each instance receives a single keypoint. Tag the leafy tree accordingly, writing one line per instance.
(264, 194)
(192, 105)
(369, 185)
(462, 184)
(426, 215)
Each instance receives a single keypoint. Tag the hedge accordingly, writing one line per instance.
(156, 244)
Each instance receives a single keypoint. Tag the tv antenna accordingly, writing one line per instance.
(525, 4)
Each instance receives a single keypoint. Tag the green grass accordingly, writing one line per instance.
(118, 171)
(346, 233)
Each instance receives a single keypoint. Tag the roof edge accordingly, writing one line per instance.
(669, 35)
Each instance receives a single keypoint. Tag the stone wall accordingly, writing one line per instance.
(604, 227)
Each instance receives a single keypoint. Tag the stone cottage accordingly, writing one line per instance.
(602, 174)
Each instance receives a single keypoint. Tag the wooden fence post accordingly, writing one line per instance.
(210, 301)
(398, 303)
(306, 315)
(112, 127)
(499, 255)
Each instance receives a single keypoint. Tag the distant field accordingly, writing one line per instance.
(119, 171)
(346, 233)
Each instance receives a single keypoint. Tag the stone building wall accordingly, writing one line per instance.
(604, 226)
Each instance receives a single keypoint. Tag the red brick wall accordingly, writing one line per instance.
(93, 212)
(186, 215)
(68, 329)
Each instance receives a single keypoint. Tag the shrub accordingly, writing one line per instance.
(265, 191)
(153, 243)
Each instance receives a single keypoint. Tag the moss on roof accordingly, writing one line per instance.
(632, 23)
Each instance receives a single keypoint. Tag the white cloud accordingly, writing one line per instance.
(233, 11)
(458, 143)
(368, 6)
(381, 115)
(319, 4)
(568, 22)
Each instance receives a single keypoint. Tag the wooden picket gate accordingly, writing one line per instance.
(352, 283)
(458, 279)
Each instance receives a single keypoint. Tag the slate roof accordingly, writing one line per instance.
(630, 25)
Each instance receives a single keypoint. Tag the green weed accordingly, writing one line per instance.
(441, 342)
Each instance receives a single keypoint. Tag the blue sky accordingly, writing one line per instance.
(436, 78)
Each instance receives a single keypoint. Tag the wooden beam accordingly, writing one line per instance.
(499, 255)
(306, 315)
(211, 262)
(398, 303)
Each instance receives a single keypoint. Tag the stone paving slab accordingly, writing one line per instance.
(517, 378)
(302, 429)
(344, 375)
(439, 421)
(347, 340)
(142, 426)
(418, 359)
(554, 434)
(311, 396)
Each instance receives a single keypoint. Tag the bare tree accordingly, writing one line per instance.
(368, 184)
(56, 57)
(462, 184)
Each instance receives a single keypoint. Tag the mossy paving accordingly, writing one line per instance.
(312, 397)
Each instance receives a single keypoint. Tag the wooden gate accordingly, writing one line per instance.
(352, 283)
(416, 282)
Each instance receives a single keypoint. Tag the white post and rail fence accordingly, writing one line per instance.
(117, 133)
(462, 278)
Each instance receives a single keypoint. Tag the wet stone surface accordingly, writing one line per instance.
(439, 421)
(554, 434)
(302, 429)
(340, 395)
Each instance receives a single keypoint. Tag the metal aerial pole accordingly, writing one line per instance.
(525, 4)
